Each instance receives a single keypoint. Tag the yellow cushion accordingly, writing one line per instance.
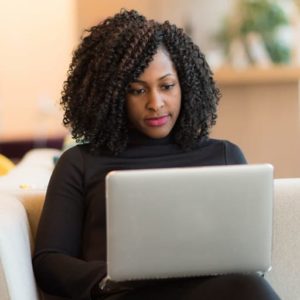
(5, 165)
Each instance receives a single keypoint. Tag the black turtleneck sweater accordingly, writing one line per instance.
(70, 255)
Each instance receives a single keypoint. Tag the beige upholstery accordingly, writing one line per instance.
(285, 276)
(20, 210)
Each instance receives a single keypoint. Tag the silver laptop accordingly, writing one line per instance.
(179, 222)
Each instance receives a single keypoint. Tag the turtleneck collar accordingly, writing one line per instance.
(136, 138)
(142, 146)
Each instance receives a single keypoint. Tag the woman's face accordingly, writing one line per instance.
(154, 99)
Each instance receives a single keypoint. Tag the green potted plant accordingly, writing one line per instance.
(263, 18)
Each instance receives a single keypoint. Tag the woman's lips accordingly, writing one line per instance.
(159, 121)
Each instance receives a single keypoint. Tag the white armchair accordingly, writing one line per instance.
(22, 194)
(20, 211)
(16, 274)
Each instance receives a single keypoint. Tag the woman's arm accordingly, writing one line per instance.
(56, 262)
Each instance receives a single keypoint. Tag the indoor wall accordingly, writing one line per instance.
(36, 42)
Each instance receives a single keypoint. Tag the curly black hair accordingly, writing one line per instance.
(112, 55)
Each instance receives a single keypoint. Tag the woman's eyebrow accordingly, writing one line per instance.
(160, 78)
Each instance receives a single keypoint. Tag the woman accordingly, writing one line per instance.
(139, 95)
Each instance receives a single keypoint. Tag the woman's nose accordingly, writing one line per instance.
(155, 101)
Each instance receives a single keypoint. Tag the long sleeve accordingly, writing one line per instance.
(57, 262)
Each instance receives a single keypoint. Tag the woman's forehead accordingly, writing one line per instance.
(160, 66)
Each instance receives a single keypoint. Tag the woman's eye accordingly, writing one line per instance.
(168, 86)
(136, 91)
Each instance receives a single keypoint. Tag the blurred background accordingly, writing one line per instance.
(253, 47)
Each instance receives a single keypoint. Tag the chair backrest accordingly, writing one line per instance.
(33, 201)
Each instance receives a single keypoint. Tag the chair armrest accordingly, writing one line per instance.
(33, 202)
(16, 273)
(284, 276)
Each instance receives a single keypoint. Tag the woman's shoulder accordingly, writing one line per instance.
(213, 142)
(221, 142)
(77, 150)
(232, 152)
(74, 155)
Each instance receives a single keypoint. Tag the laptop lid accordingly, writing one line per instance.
(178, 222)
